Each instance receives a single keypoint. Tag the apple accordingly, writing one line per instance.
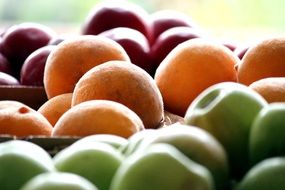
(135, 140)
(113, 14)
(4, 64)
(161, 167)
(6, 79)
(32, 71)
(19, 41)
(168, 40)
(113, 140)
(198, 145)
(135, 44)
(21, 161)
(227, 111)
(57, 181)
(95, 161)
(266, 137)
(165, 19)
(268, 174)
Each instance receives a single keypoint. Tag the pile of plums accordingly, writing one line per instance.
(23, 53)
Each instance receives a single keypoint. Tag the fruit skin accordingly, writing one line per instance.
(125, 83)
(166, 19)
(55, 107)
(20, 161)
(94, 161)
(266, 137)
(254, 65)
(227, 111)
(135, 44)
(161, 167)
(58, 180)
(268, 174)
(4, 64)
(19, 41)
(32, 71)
(127, 14)
(98, 117)
(135, 141)
(6, 79)
(168, 40)
(190, 68)
(72, 58)
(115, 141)
(195, 143)
(272, 89)
(18, 119)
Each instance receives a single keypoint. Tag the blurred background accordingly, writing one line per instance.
(236, 20)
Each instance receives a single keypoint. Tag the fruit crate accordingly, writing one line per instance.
(29, 95)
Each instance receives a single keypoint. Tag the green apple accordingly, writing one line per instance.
(227, 111)
(20, 161)
(113, 140)
(267, 133)
(198, 145)
(266, 175)
(96, 161)
(58, 181)
(161, 167)
(135, 140)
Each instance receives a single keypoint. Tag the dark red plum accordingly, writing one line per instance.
(113, 14)
(135, 44)
(166, 19)
(6, 79)
(32, 72)
(19, 41)
(169, 39)
(4, 64)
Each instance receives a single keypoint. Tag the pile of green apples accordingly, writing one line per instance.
(231, 138)
(250, 131)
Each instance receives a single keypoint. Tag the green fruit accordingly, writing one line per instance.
(58, 181)
(20, 161)
(161, 167)
(113, 140)
(266, 175)
(135, 140)
(227, 111)
(267, 133)
(95, 161)
(198, 145)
